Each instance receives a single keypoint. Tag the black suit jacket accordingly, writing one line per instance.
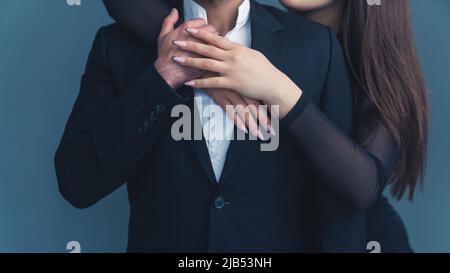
(119, 133)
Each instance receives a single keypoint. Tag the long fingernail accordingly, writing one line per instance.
(179, 59)
(271, 130)
(191, 83)
(180, 43)
(191, 30)
(242, 127)
(260, 135)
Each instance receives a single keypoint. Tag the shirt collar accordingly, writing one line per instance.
(192, 10)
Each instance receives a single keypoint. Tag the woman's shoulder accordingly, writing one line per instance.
(369, 127)
(294, 20)
(293, 23)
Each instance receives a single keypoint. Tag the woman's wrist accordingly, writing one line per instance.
(284, 94)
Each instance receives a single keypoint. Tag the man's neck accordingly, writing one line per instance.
(222, 14)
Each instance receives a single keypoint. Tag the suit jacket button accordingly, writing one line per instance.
(153, 117)
(160, 108)
(219, 202)
(142, 129)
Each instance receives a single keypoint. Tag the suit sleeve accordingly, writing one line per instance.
(108, 133)
(314, 130)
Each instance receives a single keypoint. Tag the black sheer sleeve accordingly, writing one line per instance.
(359, 173)
(143, 18)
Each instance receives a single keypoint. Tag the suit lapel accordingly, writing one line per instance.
(266, 38)
(199, 146)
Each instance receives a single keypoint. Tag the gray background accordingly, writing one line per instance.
(43, 50)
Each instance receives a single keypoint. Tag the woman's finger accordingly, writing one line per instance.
(202, 64)
(210, 83)
(261, 114)
(246, 114)
(211, 38)
(220, 96)
(202, 49)
(229, 109)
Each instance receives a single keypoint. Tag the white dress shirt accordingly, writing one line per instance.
(218, 128)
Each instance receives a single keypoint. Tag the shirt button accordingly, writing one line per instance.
(219, 202)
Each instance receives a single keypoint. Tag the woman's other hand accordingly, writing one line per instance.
(246, 113)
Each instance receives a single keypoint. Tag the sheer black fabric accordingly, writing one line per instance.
(357, 168)
(358, 173)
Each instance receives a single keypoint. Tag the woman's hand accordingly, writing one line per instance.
(242, 69)
(243, 111)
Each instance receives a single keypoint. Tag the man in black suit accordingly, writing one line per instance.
(119, 132)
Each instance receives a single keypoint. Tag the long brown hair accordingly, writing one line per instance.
(379, 44)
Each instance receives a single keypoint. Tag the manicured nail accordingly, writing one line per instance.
(179, 59)
(191, 30)
(271, 130)
(191, 83)
(242, 127)
(180, 43)
(260, 135)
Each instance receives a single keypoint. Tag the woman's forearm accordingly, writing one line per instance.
(285, 93)
(359, 174)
